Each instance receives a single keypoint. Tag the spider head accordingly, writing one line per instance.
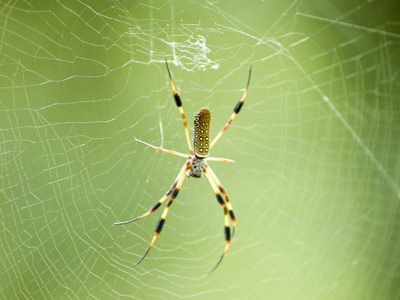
(197, 166)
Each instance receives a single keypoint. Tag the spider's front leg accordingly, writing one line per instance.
(227, 229)
(224, 193)
(160, 224)
(161, 201)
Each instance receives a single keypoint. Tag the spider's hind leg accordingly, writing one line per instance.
(178, 102)
(236, 110)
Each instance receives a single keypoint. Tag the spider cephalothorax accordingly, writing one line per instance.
(195, 166)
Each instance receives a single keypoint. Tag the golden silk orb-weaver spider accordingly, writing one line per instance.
(195, 166)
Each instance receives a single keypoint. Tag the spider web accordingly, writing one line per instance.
(315, 186)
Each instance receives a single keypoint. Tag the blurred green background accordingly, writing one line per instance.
(315, 186)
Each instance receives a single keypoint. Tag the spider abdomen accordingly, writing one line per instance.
(201, 132)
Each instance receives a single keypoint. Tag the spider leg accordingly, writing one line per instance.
(161, 201)
(163, 150)
(226, 218)
(228, 204)
(179, 104)
(221, 159)
(161, 222)
(235, 111)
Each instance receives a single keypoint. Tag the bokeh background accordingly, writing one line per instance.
(315, 186)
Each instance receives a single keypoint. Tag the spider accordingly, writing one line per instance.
(195, 166)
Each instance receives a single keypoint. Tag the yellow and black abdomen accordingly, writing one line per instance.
(201, 132)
